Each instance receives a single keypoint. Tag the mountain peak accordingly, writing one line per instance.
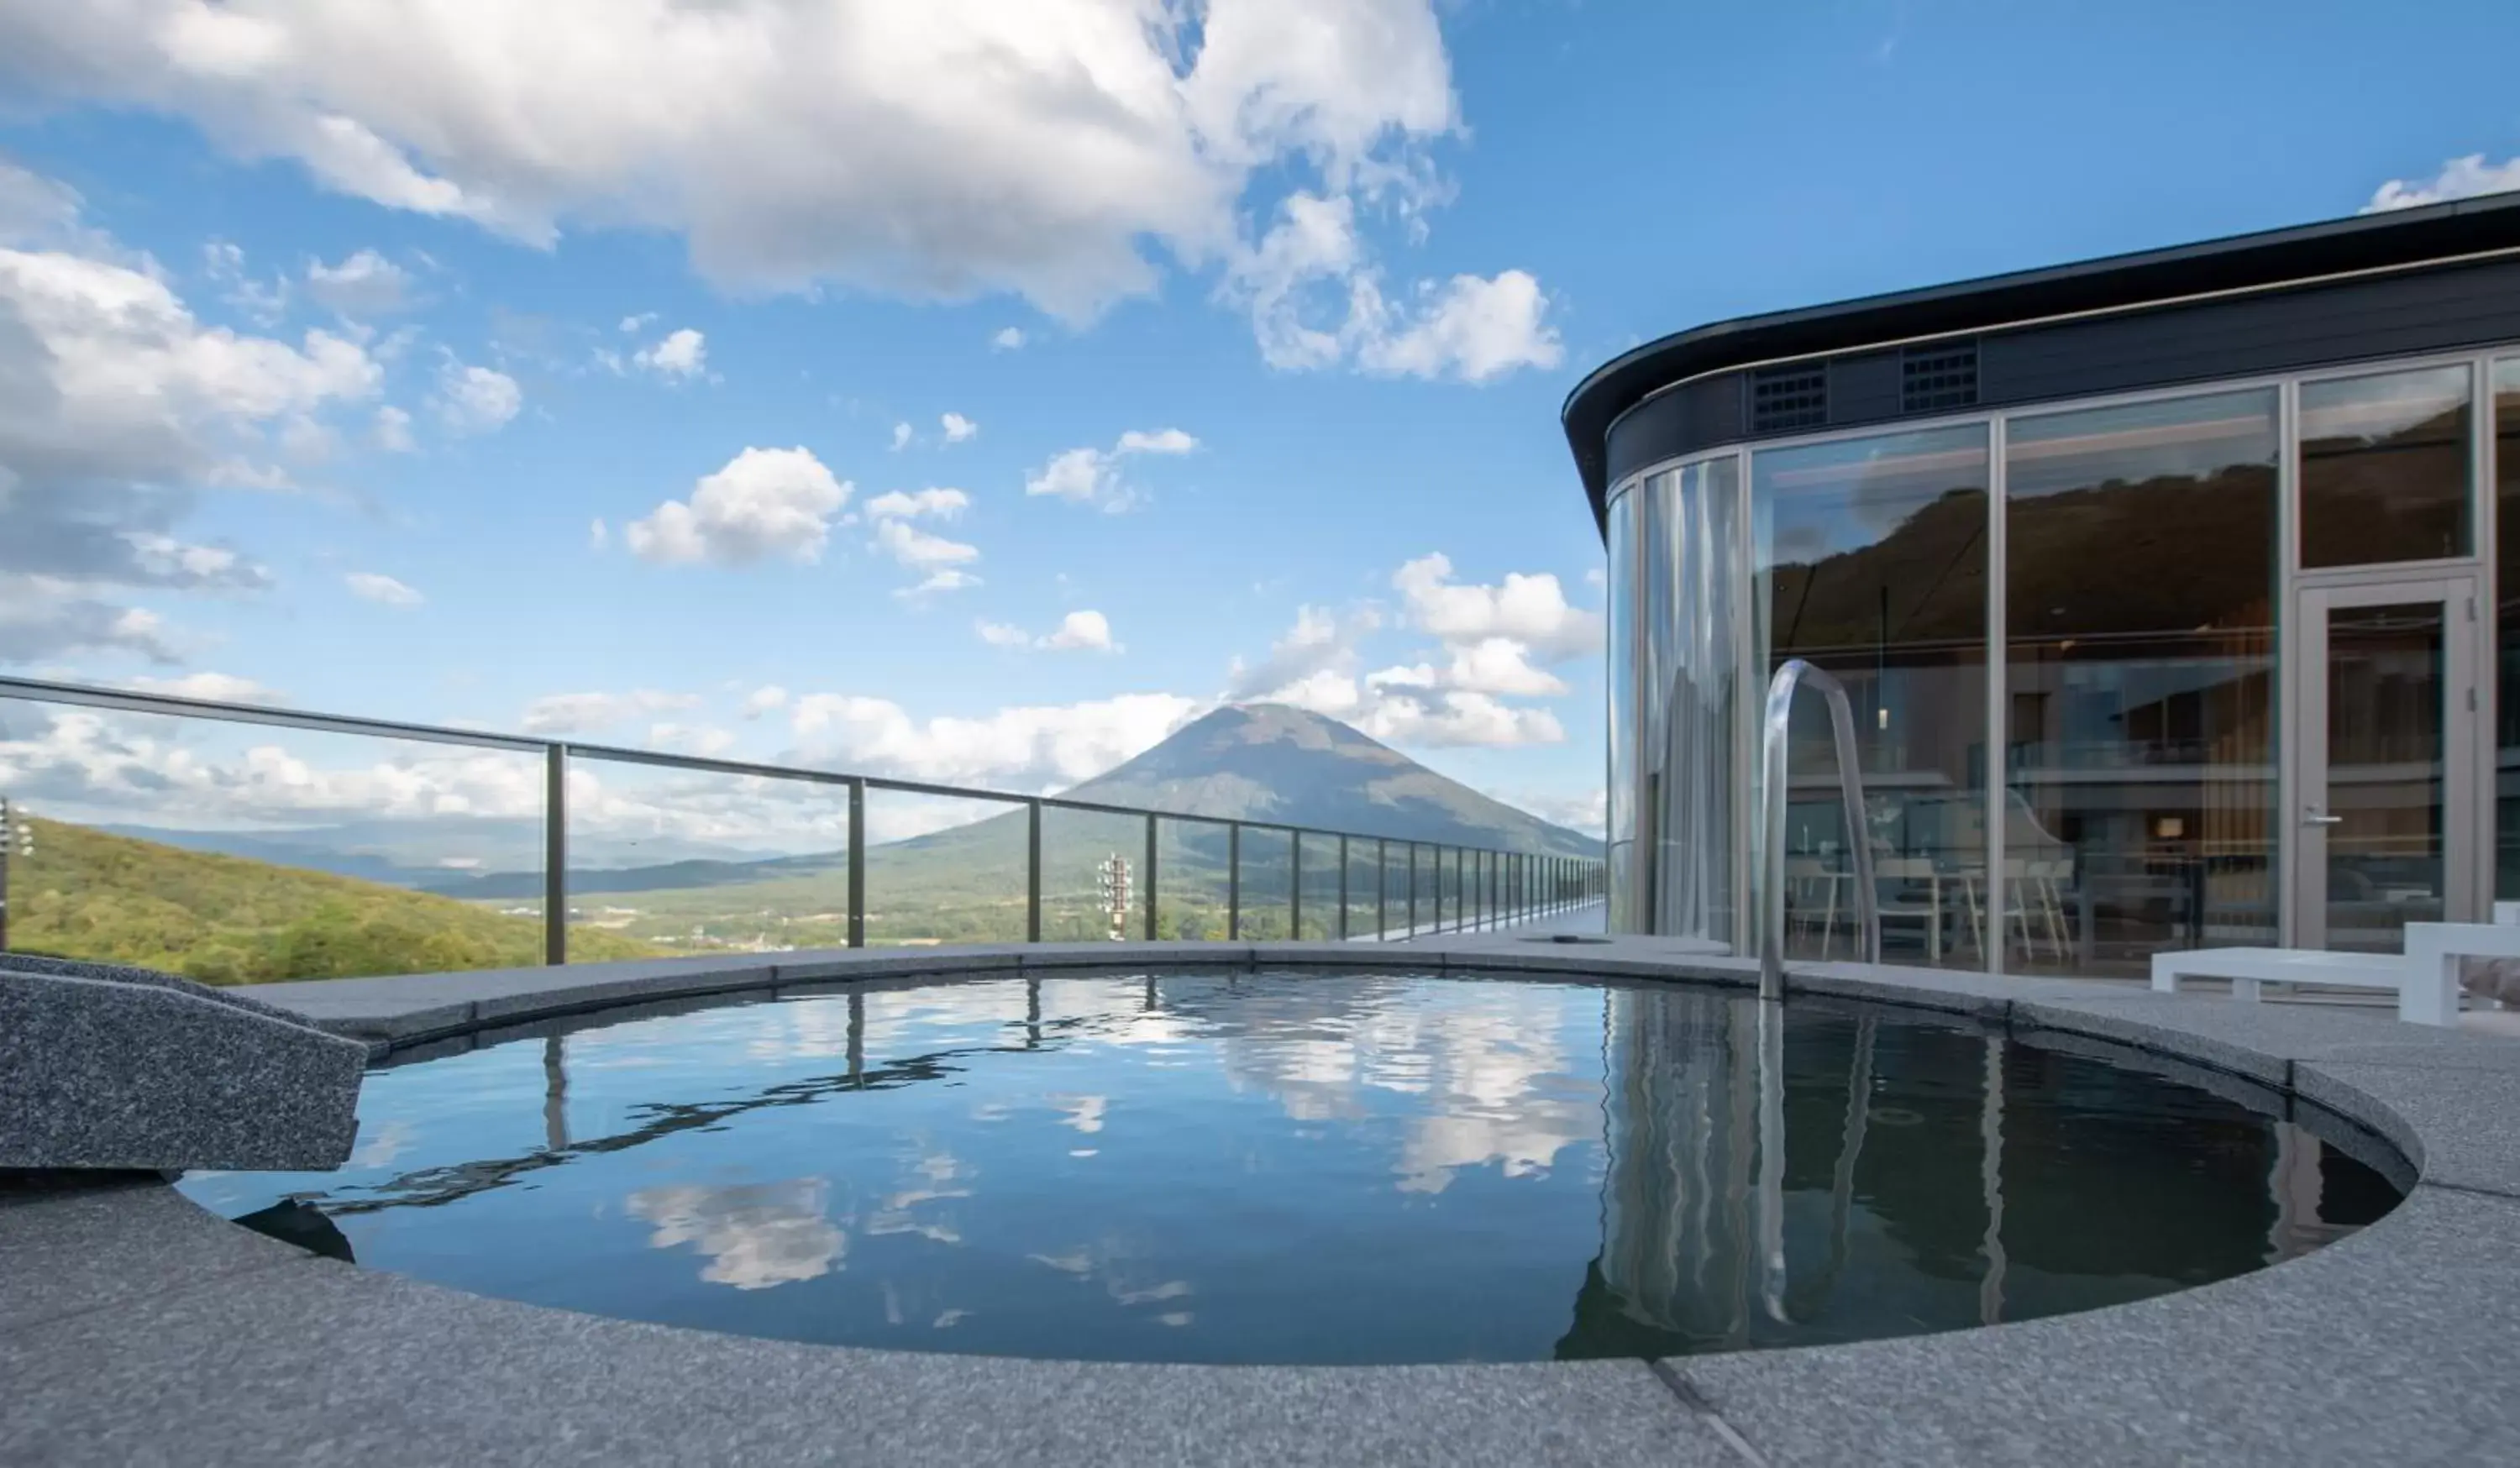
(1280, 762)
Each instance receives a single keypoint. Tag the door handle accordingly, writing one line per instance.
(2314, 816)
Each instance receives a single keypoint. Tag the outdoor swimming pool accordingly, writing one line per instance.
(1240, 1167)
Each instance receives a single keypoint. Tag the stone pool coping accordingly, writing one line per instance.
(137, 1328)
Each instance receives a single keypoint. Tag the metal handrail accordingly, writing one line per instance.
(1573, 880)
(1795, 674)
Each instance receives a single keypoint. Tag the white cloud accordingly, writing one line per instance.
(384, 589)
(1454, 719)
(474, 399)
(214, 687)
(1024, 748)
(263, 302)
(1078, 630)
(1008, 339)
(35, 207)
(1065, 151)
(1315, 655)
(764, 700)
(916, 550)
(963, 146)
(1529, 609)
(597, 534)
(1091, 476)
(1585, 810)
(1470, 328)
(1501, 665)
(95, 765)
(901, 436)
(2460, 178)
(592, 713)
(937, 582)
(679, 356)
(943, 504)
(1316, 301)
(1088, 630)
(957, 427)
(392, 430)
(117, 404)
(764, 503)
(1316, 666)
(364, 284)
(1156, 441)
(633, 324)
(687, 738)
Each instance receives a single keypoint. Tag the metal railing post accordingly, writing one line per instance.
(1342, 861)
(1859, 831)
(1032, 871)
(1381, 890)
(1295, 885)
(1233, 881)
(556, 853)
(857, 864)
(1412, 889)
(1147, 888)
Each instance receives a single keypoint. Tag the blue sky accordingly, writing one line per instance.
(1246, 313)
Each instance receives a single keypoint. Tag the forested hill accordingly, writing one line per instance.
(222, 919)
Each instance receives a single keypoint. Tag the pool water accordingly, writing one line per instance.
(1326, 1167)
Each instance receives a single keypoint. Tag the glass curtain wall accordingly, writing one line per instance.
(2506, 626)
(1626, 598)
(2384, 467)
(2139, 685)
(1692, 663)
(1869, 560)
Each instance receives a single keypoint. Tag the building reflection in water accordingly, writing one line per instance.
(2004, 1181)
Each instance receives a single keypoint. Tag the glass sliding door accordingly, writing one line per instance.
(1871, 562)
(2388, 814)
(2140, 681)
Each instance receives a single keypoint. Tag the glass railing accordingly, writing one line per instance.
(186, 834)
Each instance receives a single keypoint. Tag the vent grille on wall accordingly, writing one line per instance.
(1788, 397)
(1936, 378)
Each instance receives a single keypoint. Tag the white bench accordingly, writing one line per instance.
(2425, 977)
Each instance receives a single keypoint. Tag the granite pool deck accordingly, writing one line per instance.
(136, 1328)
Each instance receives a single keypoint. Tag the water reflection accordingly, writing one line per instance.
(1246, 1168)
(753, 1234)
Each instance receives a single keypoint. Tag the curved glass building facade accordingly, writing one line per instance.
(2174, 595)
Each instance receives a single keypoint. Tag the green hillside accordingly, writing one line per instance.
(227, 919)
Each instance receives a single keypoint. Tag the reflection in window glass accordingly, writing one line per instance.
(1871, 565)
(1624, 594)
(2140, 680)
(1692, 664)
(2506, 733)
(2384, 467)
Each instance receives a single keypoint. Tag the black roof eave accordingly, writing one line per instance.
(2267, 259)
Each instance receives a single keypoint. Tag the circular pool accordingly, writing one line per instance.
(1240, 1167)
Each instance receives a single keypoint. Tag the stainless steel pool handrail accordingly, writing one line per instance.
(1796, 674)
(1572, 882)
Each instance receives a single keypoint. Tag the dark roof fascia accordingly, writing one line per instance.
(2267, 259)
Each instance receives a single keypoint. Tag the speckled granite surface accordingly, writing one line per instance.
(147, 1332)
